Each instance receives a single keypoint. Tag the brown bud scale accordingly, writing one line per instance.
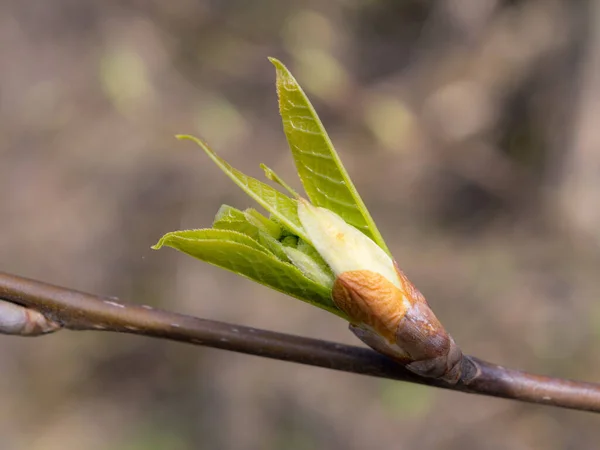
(370, 298)
(398, 323)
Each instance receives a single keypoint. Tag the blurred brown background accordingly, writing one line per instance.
(469, 126)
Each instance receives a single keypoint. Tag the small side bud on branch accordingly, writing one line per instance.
(386, 311)
(21, 321)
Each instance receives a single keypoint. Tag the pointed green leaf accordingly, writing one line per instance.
(312, 253)
(279, 205)
(206, 234)
(227, 213)
(290, 241)
(276, 247)
(230, 218)
(271, 175)
(309, 267)
(262, 223)
(323, 176)
(252, 263)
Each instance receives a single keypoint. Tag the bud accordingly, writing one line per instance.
(18, 320)
(386, 311)
(341, 245)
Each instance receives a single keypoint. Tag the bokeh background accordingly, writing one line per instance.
(470, 127)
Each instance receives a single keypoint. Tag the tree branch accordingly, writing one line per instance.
(80, 311)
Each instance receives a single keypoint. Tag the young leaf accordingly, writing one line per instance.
(279, 205)
(313, 254)
(323, 176)
(248, 261)
(230, 218)
(272, 244)
(309, 266)
(262, 223)
(289, 241)
(206, 234)
(271, 175)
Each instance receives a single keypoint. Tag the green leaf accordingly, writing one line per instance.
(262, 223)
(290, 241)
(323, 176)
(279, 205)
(228, 213)
(309, 266)
(272, 244)
(232, 253)
(271, 175)
(230, 218)
(206, 234)
(312, 252)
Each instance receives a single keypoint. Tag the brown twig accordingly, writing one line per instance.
(80, 311)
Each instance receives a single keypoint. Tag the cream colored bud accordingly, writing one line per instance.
(385, 310)
(367, 287)
(343, 247)
(18, 320)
